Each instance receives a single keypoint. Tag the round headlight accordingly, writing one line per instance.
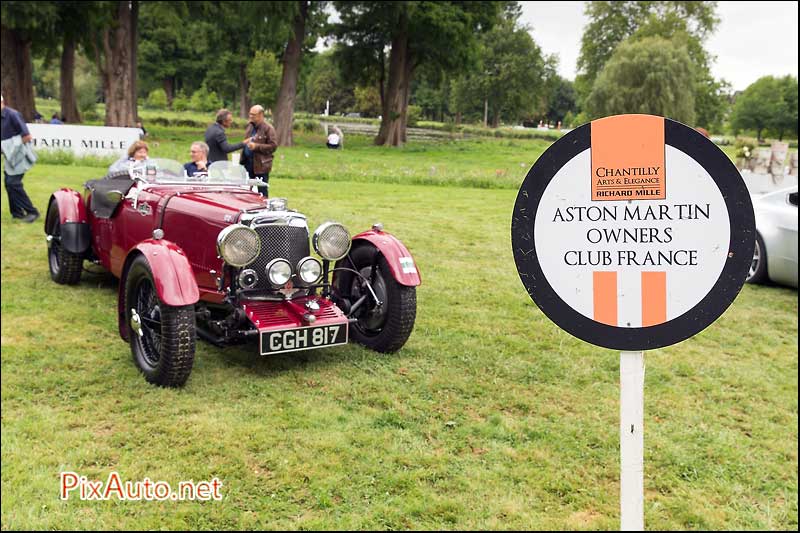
(332, 241)
(238, 245)
(279, 272)
(309, 270)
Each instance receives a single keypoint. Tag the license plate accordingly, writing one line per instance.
(307, 338)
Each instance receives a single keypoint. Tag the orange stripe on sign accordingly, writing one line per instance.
(654, 298)
(605, 297)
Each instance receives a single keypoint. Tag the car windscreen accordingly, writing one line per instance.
(170, 171)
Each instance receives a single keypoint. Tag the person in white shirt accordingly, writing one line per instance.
(335, 138)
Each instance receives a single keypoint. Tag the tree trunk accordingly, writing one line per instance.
(485, 112)
(382, 80)
(69, 102)
(116, 68)
(169, 89)
(407, 99)
(392, 128)
(284, 108)
(134, 39)
(458, 118)
(244, 85)
(17, 72)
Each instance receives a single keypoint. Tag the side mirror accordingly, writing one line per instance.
(114, 196)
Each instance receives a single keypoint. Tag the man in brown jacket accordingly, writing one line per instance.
(262, 146)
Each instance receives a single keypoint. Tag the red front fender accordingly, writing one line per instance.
(402, 265)
(172, 275)
(70, 206)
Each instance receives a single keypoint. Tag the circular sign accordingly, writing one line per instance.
(633, 232)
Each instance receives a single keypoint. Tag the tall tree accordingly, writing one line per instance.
(612, 22)
(240, 29)
(114, 45)
(73, 19)
(768, 103)
(172, 55)
(307, 19)
(510, 79)
(440, 33)
(561, 100)
(325, 85)
(22, 24)
(651, 76)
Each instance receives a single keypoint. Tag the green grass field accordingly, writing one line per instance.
(491, 417)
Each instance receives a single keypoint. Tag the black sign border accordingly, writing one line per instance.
(719, 298)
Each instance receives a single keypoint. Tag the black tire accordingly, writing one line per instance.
(164, 352)
(758, 268)
(383, 329)
(65, 266)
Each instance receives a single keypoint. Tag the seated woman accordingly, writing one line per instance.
(138, 151)
(199, 163)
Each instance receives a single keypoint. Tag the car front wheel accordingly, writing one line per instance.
(383, 327)
(758, 268)
(162, 337)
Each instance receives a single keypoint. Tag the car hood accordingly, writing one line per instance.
(222, 206)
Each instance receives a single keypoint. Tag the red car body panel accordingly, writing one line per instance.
(70, 206)
(173, 276)
(268, 316)
(401, 263)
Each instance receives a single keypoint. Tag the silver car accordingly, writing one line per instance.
(775, 254)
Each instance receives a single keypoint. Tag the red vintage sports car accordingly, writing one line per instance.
(207, 256)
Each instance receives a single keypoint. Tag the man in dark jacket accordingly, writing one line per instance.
(217, 141)
(18, 201)
(261, 147)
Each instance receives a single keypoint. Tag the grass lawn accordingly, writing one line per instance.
(491, 417)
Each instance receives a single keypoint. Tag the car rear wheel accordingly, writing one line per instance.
(65, 266)
(758, 268)
(386, 327)
(162, 337)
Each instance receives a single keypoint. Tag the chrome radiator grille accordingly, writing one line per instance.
(279, 240)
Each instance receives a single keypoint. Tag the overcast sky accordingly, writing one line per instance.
(753, 39)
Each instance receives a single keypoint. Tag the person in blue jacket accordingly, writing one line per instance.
(16, 146)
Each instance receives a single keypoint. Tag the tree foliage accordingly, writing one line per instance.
(651, 76)
(768, 103)
(325, 83)
(511, 76)
(443, 34)
(265, 78)
(687, 23)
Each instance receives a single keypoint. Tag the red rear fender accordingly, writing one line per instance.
(70, 206)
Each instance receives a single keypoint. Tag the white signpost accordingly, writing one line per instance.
(83, 140)
(633, 232)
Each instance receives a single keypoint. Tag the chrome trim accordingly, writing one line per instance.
(247, 272)
(136, 322)
(265, 216)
